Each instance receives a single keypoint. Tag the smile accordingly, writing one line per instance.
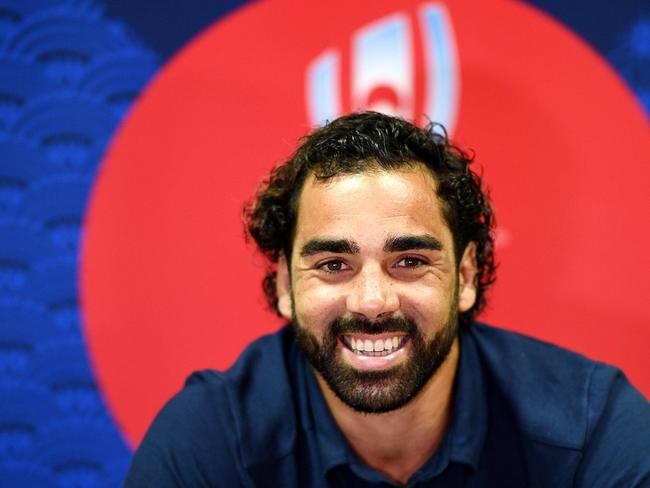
(368, 346)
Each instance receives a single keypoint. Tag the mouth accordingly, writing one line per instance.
(377, 345)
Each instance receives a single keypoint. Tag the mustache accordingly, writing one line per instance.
(362, 325)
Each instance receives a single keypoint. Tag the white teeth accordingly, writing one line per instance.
(380, 347)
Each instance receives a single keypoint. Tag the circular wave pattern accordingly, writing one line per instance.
(67, 76)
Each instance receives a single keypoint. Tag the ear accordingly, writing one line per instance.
(283, 288)
(467, 278)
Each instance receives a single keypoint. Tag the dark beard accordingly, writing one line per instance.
(378, 391)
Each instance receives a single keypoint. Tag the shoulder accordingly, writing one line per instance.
(190, 442)
(259, 389)
(548, 387)
(210, 430)
(564, 400)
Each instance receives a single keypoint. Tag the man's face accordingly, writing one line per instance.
(374, 289)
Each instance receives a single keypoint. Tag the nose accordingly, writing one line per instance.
(372, 294)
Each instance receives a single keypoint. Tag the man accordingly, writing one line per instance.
(380, 242)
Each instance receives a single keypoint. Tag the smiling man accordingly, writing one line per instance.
(379, 239)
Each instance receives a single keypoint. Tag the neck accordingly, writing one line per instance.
(397, 443)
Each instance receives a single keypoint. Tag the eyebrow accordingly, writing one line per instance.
(393, 244)
(408, 243)
(340, 246)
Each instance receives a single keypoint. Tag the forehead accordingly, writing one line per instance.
(372, 204)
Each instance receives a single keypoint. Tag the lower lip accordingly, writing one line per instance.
(373, 363)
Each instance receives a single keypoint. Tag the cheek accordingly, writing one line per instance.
(318, 304)
(426, 304)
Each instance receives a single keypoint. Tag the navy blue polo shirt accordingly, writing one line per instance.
(525, 414)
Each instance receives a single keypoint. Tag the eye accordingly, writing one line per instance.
(333, 266)
(410, 262)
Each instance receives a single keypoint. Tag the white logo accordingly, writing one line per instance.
(386, 75)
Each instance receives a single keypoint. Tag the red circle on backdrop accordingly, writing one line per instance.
(169, 286)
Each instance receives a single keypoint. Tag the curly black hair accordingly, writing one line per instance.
(367, 141)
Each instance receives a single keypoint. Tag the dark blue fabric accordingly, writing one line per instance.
(526, 414)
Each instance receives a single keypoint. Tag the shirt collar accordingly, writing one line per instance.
(315, 416)
(468, 427)
(463, 441)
